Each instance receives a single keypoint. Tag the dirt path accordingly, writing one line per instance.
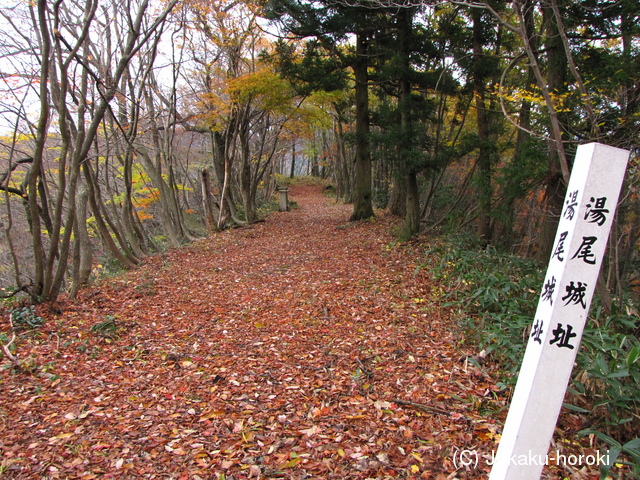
(301, 347)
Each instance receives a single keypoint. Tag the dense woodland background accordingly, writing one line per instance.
(132, 126)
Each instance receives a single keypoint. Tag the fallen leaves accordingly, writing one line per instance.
(289, 349)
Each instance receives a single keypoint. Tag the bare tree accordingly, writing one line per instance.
(77, 84)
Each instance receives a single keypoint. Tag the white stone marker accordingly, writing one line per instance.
(583, 231)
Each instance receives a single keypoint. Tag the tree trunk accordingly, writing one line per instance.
(555, 187)
(83, 250)
(293, 160)
(125, 259)
(225, 204)
(504, 232)
(169, 210)
(153, 170)
(207, 201)
(412, 219)
(398, 197)
(132, 231)
(36, 167)
(412, 199)
(484, 159)
(362, 194)
(343, 189)
(245, 179)
(221, 167)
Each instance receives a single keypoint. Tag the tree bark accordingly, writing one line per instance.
(36, 166)
(362, 194)
(412, 218)
(207, 201)
(292, 172)
(410, 177)
(555, 187)
(398, 196)
(343, 174)
(245, 178)
(125, 259)
(83, 250)
(485, 146)
(504, 232)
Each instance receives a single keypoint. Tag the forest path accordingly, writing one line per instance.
(301, 347)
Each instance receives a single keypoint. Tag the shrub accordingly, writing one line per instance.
(25, 318)
(497, 296)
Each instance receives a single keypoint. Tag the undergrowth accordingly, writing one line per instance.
(496, 295)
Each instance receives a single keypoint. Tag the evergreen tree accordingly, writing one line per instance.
(332, 24)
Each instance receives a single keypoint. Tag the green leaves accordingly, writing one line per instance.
(497, 294)
(633, 356)
(632, 448)
(106, 329)
(25, 318)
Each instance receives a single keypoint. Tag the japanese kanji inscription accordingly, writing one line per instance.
(563, 306)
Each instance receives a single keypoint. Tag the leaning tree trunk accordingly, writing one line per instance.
(126, 259)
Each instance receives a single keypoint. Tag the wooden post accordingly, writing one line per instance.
(284, 199)
(583, 231)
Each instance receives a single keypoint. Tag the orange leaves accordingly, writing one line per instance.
(220, 8)
(281, 350)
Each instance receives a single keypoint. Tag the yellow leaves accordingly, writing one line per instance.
(220, 10)
(145, 195)
(20, 137)
(521, 95)
(291, 463)
(264, 87)
(564, 101)
(61, 437)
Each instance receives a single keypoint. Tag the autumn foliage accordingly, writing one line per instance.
(301, 347)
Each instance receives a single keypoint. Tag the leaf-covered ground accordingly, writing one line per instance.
(301, 347)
